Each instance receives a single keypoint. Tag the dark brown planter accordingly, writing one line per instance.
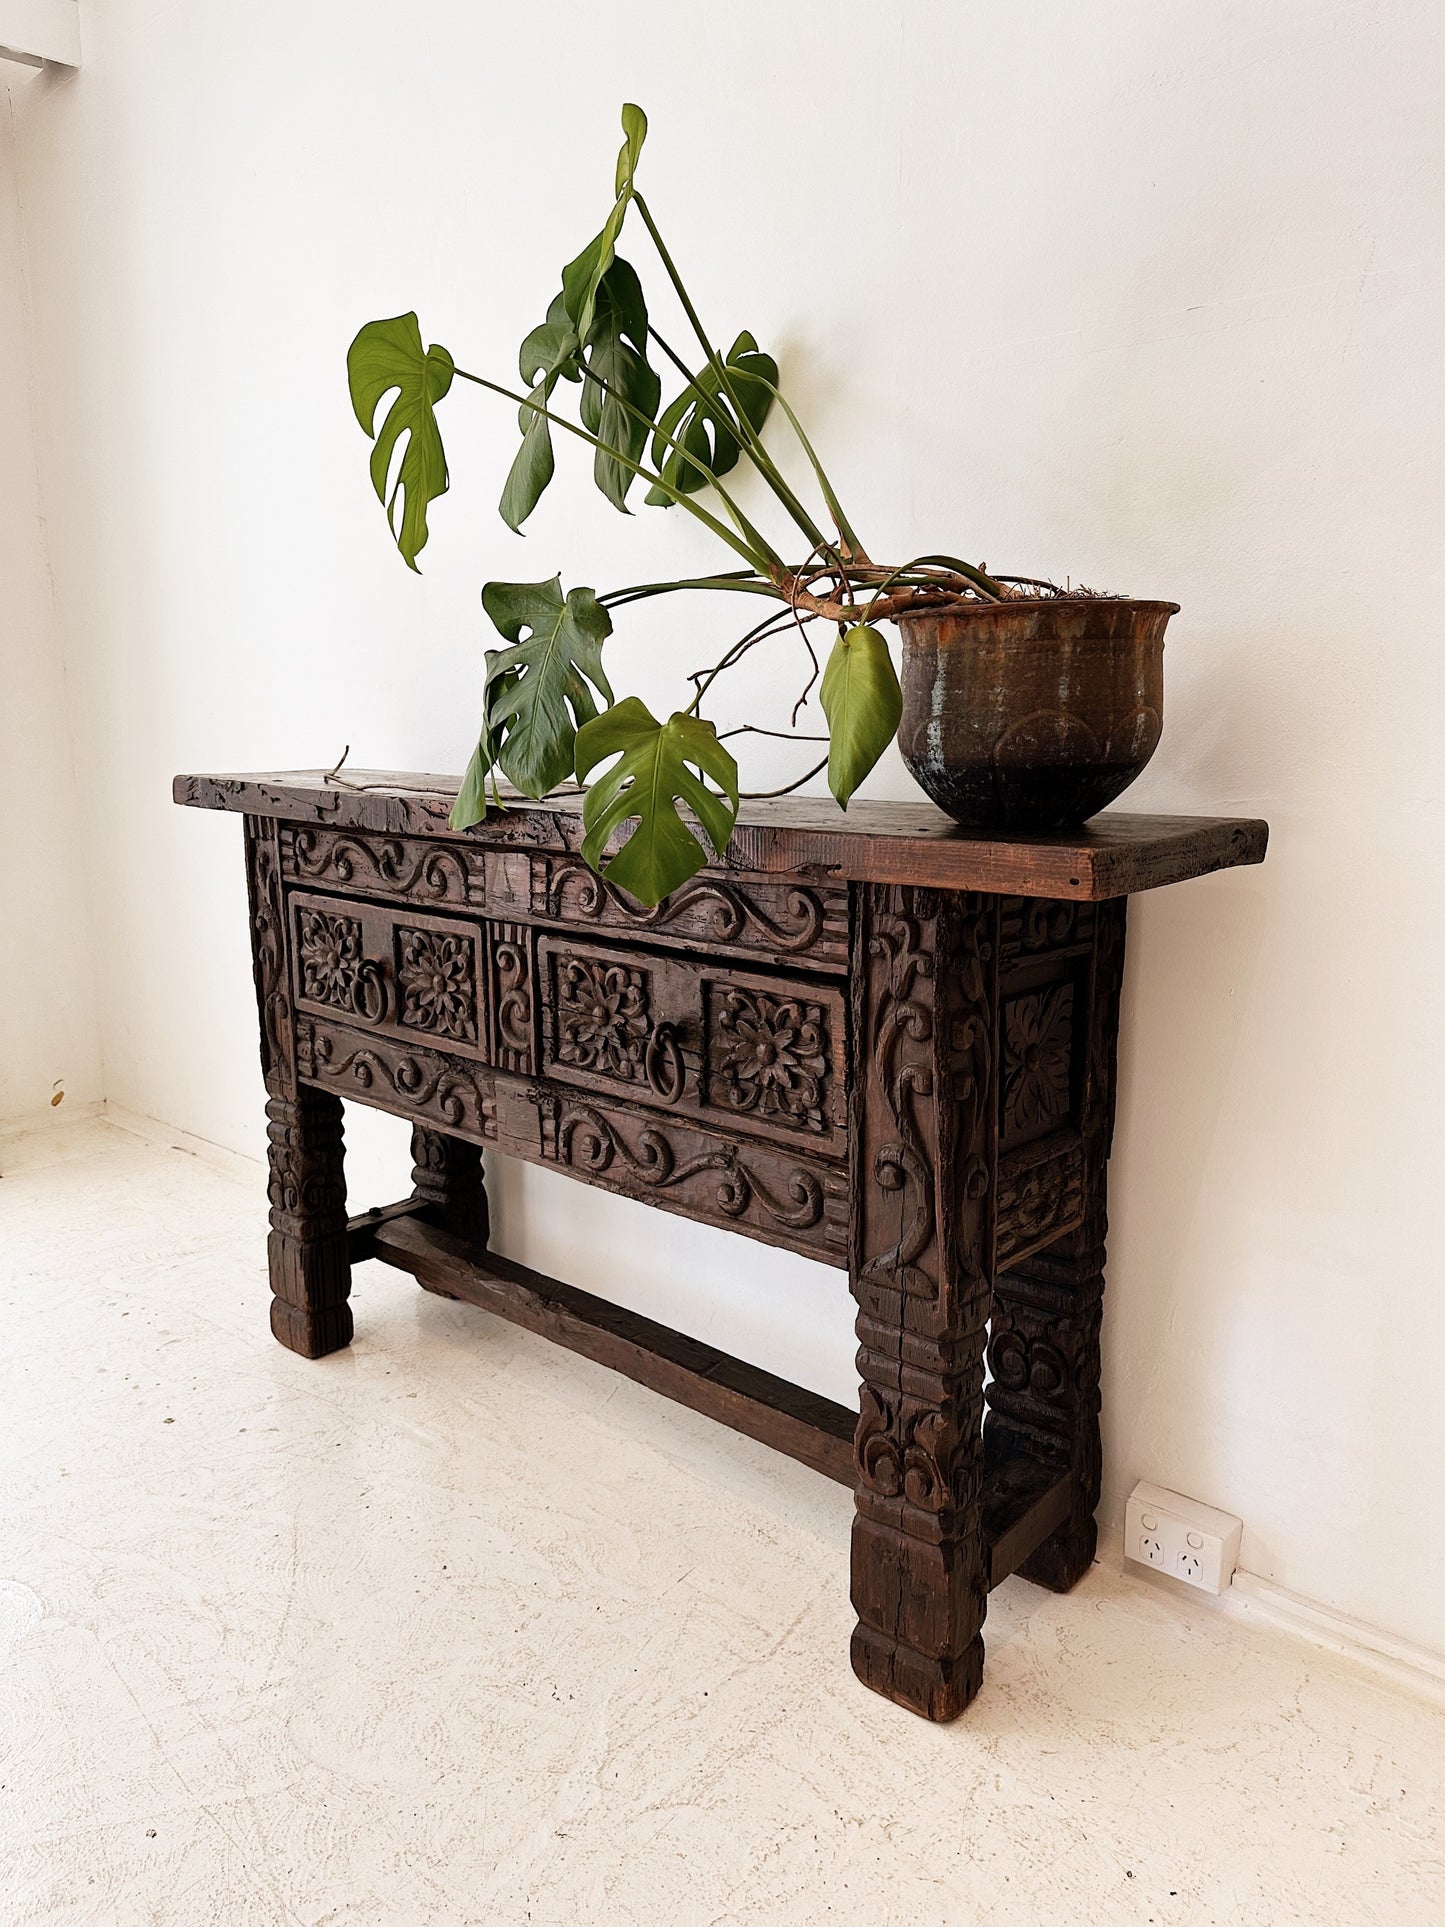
(1032, 715)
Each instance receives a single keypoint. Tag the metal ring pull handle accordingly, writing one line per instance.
(662, 1064)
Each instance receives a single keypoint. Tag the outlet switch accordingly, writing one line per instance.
(1181, 1537)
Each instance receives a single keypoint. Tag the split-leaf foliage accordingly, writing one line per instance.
(548, 710)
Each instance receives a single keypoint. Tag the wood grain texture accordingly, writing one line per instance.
(805, 837)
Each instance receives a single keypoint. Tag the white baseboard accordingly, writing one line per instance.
(236, 1164)
(1258, 1601)
(1261, 1600)
(72, 1111)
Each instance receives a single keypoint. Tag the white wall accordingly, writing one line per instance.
(49, 1039)
(1146, 294)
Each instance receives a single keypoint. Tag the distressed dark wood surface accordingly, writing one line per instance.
(890, 1047)
(1117, 854)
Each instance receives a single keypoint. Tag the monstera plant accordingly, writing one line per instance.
(549, 709)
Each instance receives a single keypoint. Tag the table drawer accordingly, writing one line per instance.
(763, 1055)
(461, 983)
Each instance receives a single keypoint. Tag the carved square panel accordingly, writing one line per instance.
(329, 957)
(436, 980)
(1037, 1091)
(768, 1056)
(602, 1015)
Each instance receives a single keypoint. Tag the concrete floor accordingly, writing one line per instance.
(455, 1627)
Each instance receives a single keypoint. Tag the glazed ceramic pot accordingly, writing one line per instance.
(1032, 715)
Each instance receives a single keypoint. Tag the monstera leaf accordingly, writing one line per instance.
(620, 391)
(702, 425)
(538, 692)
(582, 277)
(600, 312)
(389, 355)
(471, 804)
(659, 764)
(863, 704)
(548, 353)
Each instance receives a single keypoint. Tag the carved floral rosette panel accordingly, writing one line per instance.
(768, 1056)
(603, 1015)
(762, 1054)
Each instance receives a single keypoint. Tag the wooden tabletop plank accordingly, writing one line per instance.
(1118, 853)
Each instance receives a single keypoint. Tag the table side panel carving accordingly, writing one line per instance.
(268, 955)
(1044, 1354)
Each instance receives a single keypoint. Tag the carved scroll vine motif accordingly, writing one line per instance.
(903, 1067)
(602, 1016)
(445, 1086)
(333, 969)
(1038, 1047)
(914, 1455)
(725, 911)
(768, 1056)
(437, 979)
(405, 869)
(511, 996)
(268, 952)
(588, 1141)
(1023, 1363)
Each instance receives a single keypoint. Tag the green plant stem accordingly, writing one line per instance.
(744, 527)
(762, 461)
(759, 559)
(744, 581)
(757, 454)
(905, 574)
(856, 551)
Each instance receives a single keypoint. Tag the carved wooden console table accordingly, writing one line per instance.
(874, 1039)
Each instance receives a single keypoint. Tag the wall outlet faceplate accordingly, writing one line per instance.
(1179, 1536)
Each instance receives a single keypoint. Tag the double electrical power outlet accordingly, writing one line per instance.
(1181, 1537)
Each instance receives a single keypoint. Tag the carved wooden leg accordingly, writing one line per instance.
(447, 1173)
(925, 1156)
(310, 1275)
(1044, 1398)
(1044, 1346)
